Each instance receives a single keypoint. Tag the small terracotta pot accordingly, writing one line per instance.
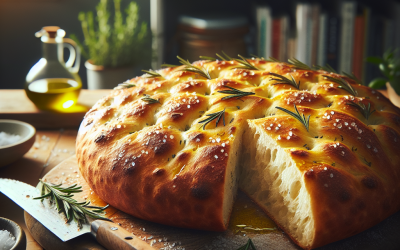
(393, 96)
(100, 77)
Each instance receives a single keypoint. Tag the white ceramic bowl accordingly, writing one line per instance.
(12, 152)
(16, 230)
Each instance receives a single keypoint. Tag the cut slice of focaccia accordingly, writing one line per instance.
(171, 147)
(331, 179)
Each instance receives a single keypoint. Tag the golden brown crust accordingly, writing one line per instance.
(156, 162)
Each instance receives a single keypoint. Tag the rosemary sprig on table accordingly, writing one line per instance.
(353, 77)
(234, 93)
(301, 118)
(125, 85)
(365, 111)
(149, 100)
(72, 209)
(213, 116)
(151, 73)
(343, 84)
(283, 80)
(300, 65)
(326, 68)
(249, 245)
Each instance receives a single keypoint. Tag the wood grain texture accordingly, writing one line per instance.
(40, 158)
(385, 235)
(113, 236)
(14, 104)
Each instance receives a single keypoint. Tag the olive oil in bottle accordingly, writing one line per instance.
(55, 94)
(52, 84)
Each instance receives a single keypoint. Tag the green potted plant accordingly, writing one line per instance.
(389, 66)
(113, 49)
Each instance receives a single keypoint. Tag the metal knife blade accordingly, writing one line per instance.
(23, 194)
(106, 233)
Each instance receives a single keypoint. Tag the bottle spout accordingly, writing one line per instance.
(48, 33)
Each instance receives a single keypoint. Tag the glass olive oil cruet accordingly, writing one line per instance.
(51, 83)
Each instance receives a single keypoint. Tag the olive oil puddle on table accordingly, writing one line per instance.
(247, 217)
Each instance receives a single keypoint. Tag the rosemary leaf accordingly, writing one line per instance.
(249, 245)
(226, 58)
(353, 77)
(272, 59)
(368, 163)
(209, 58)
(283, 80)
(195, 69)
(255, 56)
(125, 85)
(149, 100)
(213, 116)
(245, 64)
(234, 93)
(72, 209)
(343, 84)
(169, 65)
(301, 118)
(151, 73)
(326, 68)
(300, 65)
(365, 111)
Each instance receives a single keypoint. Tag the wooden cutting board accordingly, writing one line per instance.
(385, 235)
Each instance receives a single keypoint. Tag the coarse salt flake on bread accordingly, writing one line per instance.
(317, 151)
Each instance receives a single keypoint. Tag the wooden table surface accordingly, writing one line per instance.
(55, 142)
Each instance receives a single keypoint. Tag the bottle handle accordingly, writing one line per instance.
(75, 55)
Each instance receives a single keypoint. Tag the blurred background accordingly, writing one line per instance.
(339, 33)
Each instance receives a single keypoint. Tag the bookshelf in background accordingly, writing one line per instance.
(339, 33)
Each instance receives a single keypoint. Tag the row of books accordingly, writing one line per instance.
(342, 34)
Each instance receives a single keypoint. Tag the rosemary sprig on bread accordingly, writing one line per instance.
(245, 64)
(191, 68)
(353, 77)
(283, 80)
(125, 85)
(343, 84)
(234, 93)
(243, 61)
(151, 73)
(305, 121)
(225, 57)
(149, 100)
(213, 116)
(364, 110)
(326, 68)
(298, 64)
(272, 59)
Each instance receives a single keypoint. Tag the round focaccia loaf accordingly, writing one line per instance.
(171, 147)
